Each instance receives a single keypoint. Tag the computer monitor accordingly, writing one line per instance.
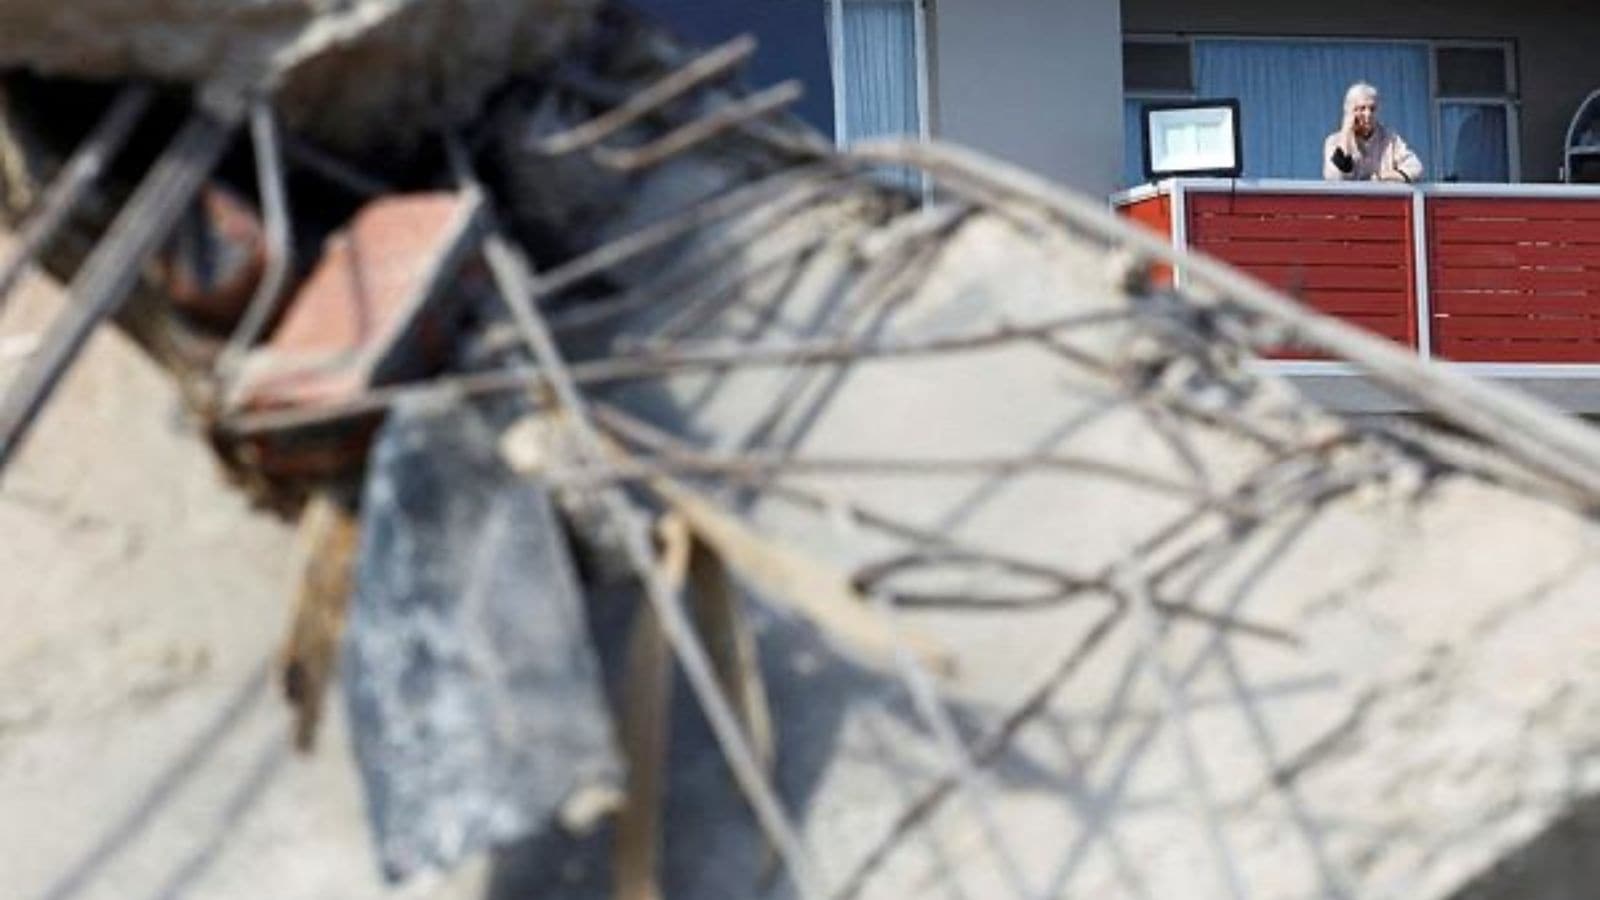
(1197, 137)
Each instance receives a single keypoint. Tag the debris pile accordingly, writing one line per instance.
(362, 76)
(1056, 592)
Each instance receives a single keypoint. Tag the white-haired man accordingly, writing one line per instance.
(1363, 149)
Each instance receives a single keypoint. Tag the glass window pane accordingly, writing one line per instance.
(1132, 142)
(1472, 72)
(1291, 95)
(880, 75)
(1474, 143)
(1156, 67)
(880, 69)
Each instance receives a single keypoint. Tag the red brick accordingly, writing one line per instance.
(363, 306)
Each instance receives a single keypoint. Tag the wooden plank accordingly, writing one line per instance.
(1544, 280)
(1491, 255)
(644, 726)
(1341, 303)
(1514, 208)
(730, 639)
(1517, 328)
(1483, 304)
(1461, 231)
(1346, 229)
(1396, 328)
(1245, 251)
(726, 630)
(327, 540)
(808, 586)
(1517, 351)
(1298, 205)
(112, 269)
(1299, 279)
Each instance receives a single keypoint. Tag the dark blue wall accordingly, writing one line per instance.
(793, 36)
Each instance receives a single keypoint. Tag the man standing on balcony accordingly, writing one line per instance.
(1363, 149)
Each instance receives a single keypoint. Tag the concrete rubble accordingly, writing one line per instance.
(480, 714)
(142, 745)
(1045, 590)
(355, 74)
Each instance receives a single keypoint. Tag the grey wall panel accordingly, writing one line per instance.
(1037, 82)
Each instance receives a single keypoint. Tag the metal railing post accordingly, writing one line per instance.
(1419, 261)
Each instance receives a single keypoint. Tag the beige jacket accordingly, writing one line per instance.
(1382, 157)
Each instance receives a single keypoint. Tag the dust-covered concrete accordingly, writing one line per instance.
(144, 747)
(1412, 702)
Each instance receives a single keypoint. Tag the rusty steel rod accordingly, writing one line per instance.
(72, 184)
(112, 269)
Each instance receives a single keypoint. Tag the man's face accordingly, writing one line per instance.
(1364, 116)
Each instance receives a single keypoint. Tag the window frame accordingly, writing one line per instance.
(1161, 39)
(1511, 102)
(1149, 96)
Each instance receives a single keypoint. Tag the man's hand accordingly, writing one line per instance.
(1342, 161)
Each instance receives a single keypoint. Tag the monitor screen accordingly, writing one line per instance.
(1194, 138)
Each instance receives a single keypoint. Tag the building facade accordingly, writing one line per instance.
(1483, 90)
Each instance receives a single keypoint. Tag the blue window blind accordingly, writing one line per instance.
(880, 69)
(1473, 138)
(1291, 95)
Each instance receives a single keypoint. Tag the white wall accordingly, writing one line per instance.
(1037, 82)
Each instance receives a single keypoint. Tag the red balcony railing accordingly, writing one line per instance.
(1515, 280)
(1505, 278)
(1345, 256)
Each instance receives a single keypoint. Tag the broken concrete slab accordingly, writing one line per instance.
(357, 76)
(476, 700)
(1379, 655)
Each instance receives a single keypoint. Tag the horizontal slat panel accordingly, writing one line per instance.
(1154, 213)
(1514, 208)
(1513, 327)
(1305, 252)
(1514, 304)
(1517, 351)
(1394, 328)
(1512, 279)
(1448, 278)
(1488, 255)
(1460, 231)
(1298, 205)
(1201, 228)
(1304, 278)
(1345, 303)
